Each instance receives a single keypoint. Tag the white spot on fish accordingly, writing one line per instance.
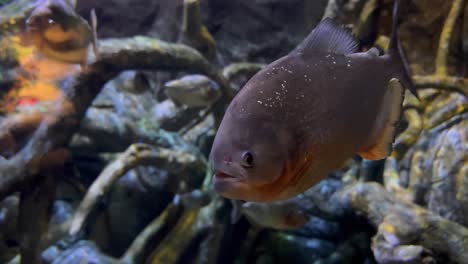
(260, 102)
(334, 62)
(349, 65)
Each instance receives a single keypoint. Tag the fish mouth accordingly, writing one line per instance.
(222, 181)
(224, 177)
(225, 183)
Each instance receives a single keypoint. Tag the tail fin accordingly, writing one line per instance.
(397, 54)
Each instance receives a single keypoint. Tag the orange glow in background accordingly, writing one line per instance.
(37, 81)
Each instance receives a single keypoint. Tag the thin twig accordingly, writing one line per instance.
(194, 33)
(441, 62)
(196, 121)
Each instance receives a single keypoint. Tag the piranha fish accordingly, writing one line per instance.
(59, 33)
(277, 215)
(305, 114)
(192, 90)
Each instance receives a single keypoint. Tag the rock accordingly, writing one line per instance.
(129, 95)
(9, 236)
(81, 252)
(296, 249)
(436, 165)
(135, 200)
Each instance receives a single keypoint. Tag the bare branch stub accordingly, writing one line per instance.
(444, 83)
(65, 115)
(441, 62)
(194, 33)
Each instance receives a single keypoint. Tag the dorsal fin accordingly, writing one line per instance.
(329, 37)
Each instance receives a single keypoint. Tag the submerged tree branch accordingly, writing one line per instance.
(139, 249)
(36, 203)
(243, 68)
(408, 138)
(427, 229)
(441, 62)
(445, 83)
(136, 155)
(194, 33)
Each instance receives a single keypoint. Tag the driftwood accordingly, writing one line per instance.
(141, 246)
(403, 225)
(36, 203)
(136, 155)
(194, 33)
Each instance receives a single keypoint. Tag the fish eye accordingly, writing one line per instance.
(50, 21)
(247, 159)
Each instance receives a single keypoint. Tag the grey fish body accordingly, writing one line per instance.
(303, 115)
(193, 91)
(303, 92)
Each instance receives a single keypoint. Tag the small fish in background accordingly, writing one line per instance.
(59, 33)
(193, 91)
(278, 215)
(305, 114)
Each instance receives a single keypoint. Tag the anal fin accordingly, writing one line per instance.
(380, 144)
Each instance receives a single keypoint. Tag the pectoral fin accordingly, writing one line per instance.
(380, 144)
